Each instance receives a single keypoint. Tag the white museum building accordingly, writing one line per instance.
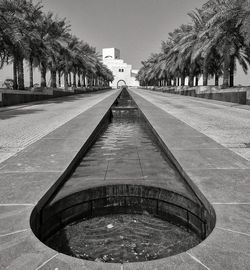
(123, 73)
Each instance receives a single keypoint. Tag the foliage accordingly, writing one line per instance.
(45, 41)
(216, 39)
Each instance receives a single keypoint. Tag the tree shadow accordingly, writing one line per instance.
(5, 115)
(68, 98)
(10, 112)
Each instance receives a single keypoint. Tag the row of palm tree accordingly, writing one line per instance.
(217, 38)
(45, 41)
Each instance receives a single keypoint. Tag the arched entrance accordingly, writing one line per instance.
(121, 83)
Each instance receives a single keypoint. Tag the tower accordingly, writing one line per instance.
(123, 73)
(110, 53)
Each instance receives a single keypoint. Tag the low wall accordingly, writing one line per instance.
(248, 96)
(234, 97)
(239, 95)
(15, 97)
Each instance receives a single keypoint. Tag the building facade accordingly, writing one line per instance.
(123, 73)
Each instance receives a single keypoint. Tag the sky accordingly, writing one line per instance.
(136, 27)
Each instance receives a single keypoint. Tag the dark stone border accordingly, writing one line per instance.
(124, 198)
(233, 96)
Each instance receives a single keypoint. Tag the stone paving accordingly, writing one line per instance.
(221, 175)
(26, 177)
(22, 125)
(216, 173)
(226, 123)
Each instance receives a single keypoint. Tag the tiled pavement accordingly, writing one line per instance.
(222, 176)
(225, 186)
(22, 125)
(226, 123)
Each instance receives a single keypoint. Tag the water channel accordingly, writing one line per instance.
(125, 152)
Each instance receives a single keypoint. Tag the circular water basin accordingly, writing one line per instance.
(122, 238)
(123, 223)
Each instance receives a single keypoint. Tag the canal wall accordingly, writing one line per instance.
(15, 97)
(240, 95)
(37, 171)
(214, 171)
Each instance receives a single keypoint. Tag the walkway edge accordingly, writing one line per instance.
(218, 175)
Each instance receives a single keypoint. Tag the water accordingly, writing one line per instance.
(123, 238)
(125, 152)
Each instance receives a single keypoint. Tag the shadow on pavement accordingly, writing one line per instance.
(11, 112)
(16, 112)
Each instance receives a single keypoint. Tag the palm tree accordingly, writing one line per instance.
(53, 39)
(32, 15)
(223, 30)
(210, 46)
(13, 28)
(45, 41)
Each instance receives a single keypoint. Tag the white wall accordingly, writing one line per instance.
(114, 63)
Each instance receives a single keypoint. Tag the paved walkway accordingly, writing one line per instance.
(226, 123)
(217, 175)
(22, 125)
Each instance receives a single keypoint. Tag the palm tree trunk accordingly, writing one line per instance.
(205, 72)
(20, 74)
(15, 85)
(79, 79)
(175, 81)
(53, 78)
(59, 78)
(226, 70)
(66, 71)
(191, 79)
(197, 81)
(53, 75)
(65, 81)
(168, 81)
(84, 80)
(31, 72)
(69, 81)
(43, 75)
(74, 79)
(216, 79)
(182, 79)
(232, 67)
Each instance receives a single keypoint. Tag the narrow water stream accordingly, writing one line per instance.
(125, 152)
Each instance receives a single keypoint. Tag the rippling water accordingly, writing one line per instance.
(123, 238)
(125, 151)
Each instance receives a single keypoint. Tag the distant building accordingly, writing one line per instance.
(123, 72)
